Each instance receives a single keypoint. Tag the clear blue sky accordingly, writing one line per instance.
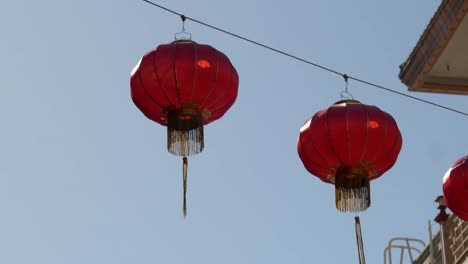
(86, 178)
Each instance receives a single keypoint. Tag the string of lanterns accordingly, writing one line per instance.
(184, 85)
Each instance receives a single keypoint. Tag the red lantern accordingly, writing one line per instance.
(455, 188)
(349, 144)
(184, 85)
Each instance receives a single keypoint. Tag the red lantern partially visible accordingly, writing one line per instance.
(184, 85)
(455, 188)
(349, 144)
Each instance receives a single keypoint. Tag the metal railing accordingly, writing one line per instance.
(406, 246)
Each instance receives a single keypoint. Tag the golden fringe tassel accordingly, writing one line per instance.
(185, 132)
(354, 200)
(352, 190)
(185, 143)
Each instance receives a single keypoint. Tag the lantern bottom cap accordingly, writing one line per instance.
(352, 190)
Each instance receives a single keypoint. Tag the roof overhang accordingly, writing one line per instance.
(439, 62)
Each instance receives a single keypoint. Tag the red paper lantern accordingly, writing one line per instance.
(184, 85)
(455, 188)
(348, 144)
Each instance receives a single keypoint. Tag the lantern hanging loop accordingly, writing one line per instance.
(182, 35)
(345, 95)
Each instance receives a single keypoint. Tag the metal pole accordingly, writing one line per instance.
(441, 218)
(442, 238)
(431, 245)
(409, 251)
(402, 251)
(360, 245)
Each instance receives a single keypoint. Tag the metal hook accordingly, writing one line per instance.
(345, 77)
(183, 35)
(345, 95)
(183, 18)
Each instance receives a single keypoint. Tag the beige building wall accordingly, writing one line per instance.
(456, 244)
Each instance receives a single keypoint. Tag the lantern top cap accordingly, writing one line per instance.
(183, 41)
(347, 101)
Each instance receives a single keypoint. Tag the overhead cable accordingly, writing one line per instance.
(184, 17)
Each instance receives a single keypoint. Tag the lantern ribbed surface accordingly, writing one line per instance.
(455, 188)
(184, 85)
(349, 144)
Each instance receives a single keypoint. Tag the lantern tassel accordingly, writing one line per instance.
(352, 190)
(184, 176)
(360, 244)
(185, 132)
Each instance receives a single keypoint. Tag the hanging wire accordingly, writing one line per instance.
(307, 61)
